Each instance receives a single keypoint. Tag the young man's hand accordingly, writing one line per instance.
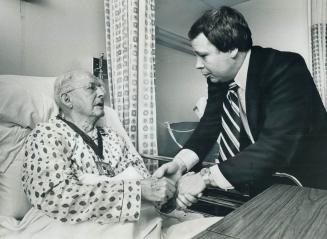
(170, 170)
(190, 187)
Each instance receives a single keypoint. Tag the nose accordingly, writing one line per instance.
(198, 64)
(101, 91)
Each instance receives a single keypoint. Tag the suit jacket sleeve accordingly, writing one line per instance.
(205, 135)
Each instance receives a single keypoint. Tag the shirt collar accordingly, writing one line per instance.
(240, 78)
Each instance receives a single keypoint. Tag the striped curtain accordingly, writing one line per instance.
(130, 44)
(319, 46)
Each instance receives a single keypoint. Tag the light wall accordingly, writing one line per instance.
(11, 37)
(178, 87)
(279, 24)
(178, 84)
(48, 37)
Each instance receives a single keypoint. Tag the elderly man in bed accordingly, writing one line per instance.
(75, 172)
(62, 156)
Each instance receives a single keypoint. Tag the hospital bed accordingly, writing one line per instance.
(25, 102)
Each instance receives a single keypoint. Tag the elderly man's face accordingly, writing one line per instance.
(87, 96)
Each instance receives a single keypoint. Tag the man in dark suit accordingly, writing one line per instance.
(263, 109)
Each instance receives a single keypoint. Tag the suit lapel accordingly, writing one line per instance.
(253, 91)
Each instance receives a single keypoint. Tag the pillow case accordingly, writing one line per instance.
(112, 120)
(14, 203)
(25, 101)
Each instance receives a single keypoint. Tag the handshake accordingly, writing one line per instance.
(168, 182)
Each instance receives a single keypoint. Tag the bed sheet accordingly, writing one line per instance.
(36, 225)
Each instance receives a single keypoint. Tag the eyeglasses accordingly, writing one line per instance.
(91, 87)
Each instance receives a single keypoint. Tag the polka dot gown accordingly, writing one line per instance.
(55, 158)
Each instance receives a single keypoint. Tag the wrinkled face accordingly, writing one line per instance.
(87, 97)
(216, 65)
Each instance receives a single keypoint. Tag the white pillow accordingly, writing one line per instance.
(112, 120)
(24, 102)
(14, 203)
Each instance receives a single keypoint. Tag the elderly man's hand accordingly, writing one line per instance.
(190, 187)
(157, 190)
(170, 170)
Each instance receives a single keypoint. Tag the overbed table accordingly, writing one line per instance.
(281, 211)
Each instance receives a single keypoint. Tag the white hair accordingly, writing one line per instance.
(65, 83)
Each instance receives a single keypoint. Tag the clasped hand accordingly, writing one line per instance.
(158, 189)
(189, 186)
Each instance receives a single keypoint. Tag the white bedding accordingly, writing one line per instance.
(36, 225)
(152, 224)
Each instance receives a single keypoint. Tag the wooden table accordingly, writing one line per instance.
(282, 211)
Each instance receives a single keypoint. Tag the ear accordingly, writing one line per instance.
(233, 53)
(65, 99)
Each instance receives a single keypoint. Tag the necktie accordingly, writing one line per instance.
(229, 137)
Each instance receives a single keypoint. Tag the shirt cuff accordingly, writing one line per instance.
(218, 179)
(186, 158)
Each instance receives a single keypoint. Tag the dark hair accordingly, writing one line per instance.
(225, 28)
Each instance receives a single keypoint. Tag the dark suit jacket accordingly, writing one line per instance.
(287, 119)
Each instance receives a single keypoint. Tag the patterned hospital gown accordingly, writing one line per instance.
(55, 158)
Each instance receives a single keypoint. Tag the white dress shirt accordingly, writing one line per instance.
(187, 158)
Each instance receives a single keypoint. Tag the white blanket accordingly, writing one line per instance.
(36, 225)
(152, 224)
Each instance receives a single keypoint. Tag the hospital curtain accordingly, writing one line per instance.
(318, 12)
(130, 44)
